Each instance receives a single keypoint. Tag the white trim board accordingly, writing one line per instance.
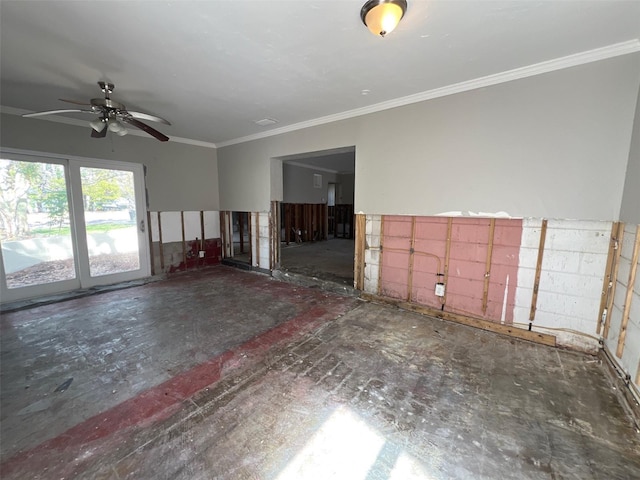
(615, 50)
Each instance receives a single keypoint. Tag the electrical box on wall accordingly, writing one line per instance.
(440, 289)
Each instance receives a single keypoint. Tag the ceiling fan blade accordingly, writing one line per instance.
(146, 116)
(146, 128)
(101, 134)
(76, 102)
(53, 112)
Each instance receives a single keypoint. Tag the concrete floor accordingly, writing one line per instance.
(330, 260)
(222, 373)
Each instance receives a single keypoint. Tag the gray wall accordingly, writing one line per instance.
(298, 184)
(346, 183)
(630, 210)
(179, 176)
(555, 145)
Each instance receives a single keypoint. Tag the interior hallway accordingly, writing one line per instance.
(222, 373)
(329, 260)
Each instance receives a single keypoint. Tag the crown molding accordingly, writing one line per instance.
(589, 56)
(81, 123)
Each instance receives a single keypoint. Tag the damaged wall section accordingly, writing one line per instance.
(179, 238)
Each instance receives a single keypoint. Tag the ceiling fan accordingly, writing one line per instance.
(112, 115)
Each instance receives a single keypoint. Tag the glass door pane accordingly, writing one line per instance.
(109, 201)
(35, 228)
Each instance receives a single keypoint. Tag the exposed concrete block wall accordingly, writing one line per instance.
(260, 240)
(372, 254)
(176, 239)
(570, 289)
(630, 358)
(571, 276)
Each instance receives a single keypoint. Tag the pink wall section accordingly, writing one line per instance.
(468, 254)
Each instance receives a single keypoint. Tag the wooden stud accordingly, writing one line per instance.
(287, 222)
(184, 241)
(633, 268)
(487, 266)
(160, 247)
(222, 234)
(380, 254)
(606, 283)
(241, 229)
(542, 338)
(249, 214)
(201, 246)
(153, 262)
(411, 253)
(271, 235)
(358, 273)
(325, 222)
(258, 239)
(447, 256)
(614, 279)
(536, 284)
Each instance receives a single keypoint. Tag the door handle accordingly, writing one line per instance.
(142, 226)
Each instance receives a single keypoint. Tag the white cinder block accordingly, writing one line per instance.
(526, 277)
(561, 261)
(593, 264)
(593, 225)
(578, 240)
(521, 313)
(570, 284)
(553, 320)
(373, 241)
(528, 257)
(574, 307)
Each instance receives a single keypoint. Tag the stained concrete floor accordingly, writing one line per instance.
(223, 374)
(330, 260)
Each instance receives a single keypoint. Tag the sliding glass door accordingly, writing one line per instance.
(67, 224)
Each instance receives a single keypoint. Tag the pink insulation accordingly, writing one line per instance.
(467, 263)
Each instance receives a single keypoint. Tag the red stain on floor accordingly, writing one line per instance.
(63, 455)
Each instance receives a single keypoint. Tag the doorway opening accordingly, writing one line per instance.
(316, 215)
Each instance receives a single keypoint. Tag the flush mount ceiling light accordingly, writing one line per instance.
(382, 16)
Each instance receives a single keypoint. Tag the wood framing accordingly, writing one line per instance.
(536, 284)
(380, 254)
(633, 268)
(257, 239)
(447, 256)
(606, 283)
(201, 247)
(358, 273)
(614, 279)
(480, 323)
(153, 263)
(184, 241)
(411, 260)
(487, 269)
(160, 247)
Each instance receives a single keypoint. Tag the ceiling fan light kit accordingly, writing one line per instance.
(382, 16)
(113, 116)
(98, 125)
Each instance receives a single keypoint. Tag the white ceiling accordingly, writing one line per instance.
(214, 67)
